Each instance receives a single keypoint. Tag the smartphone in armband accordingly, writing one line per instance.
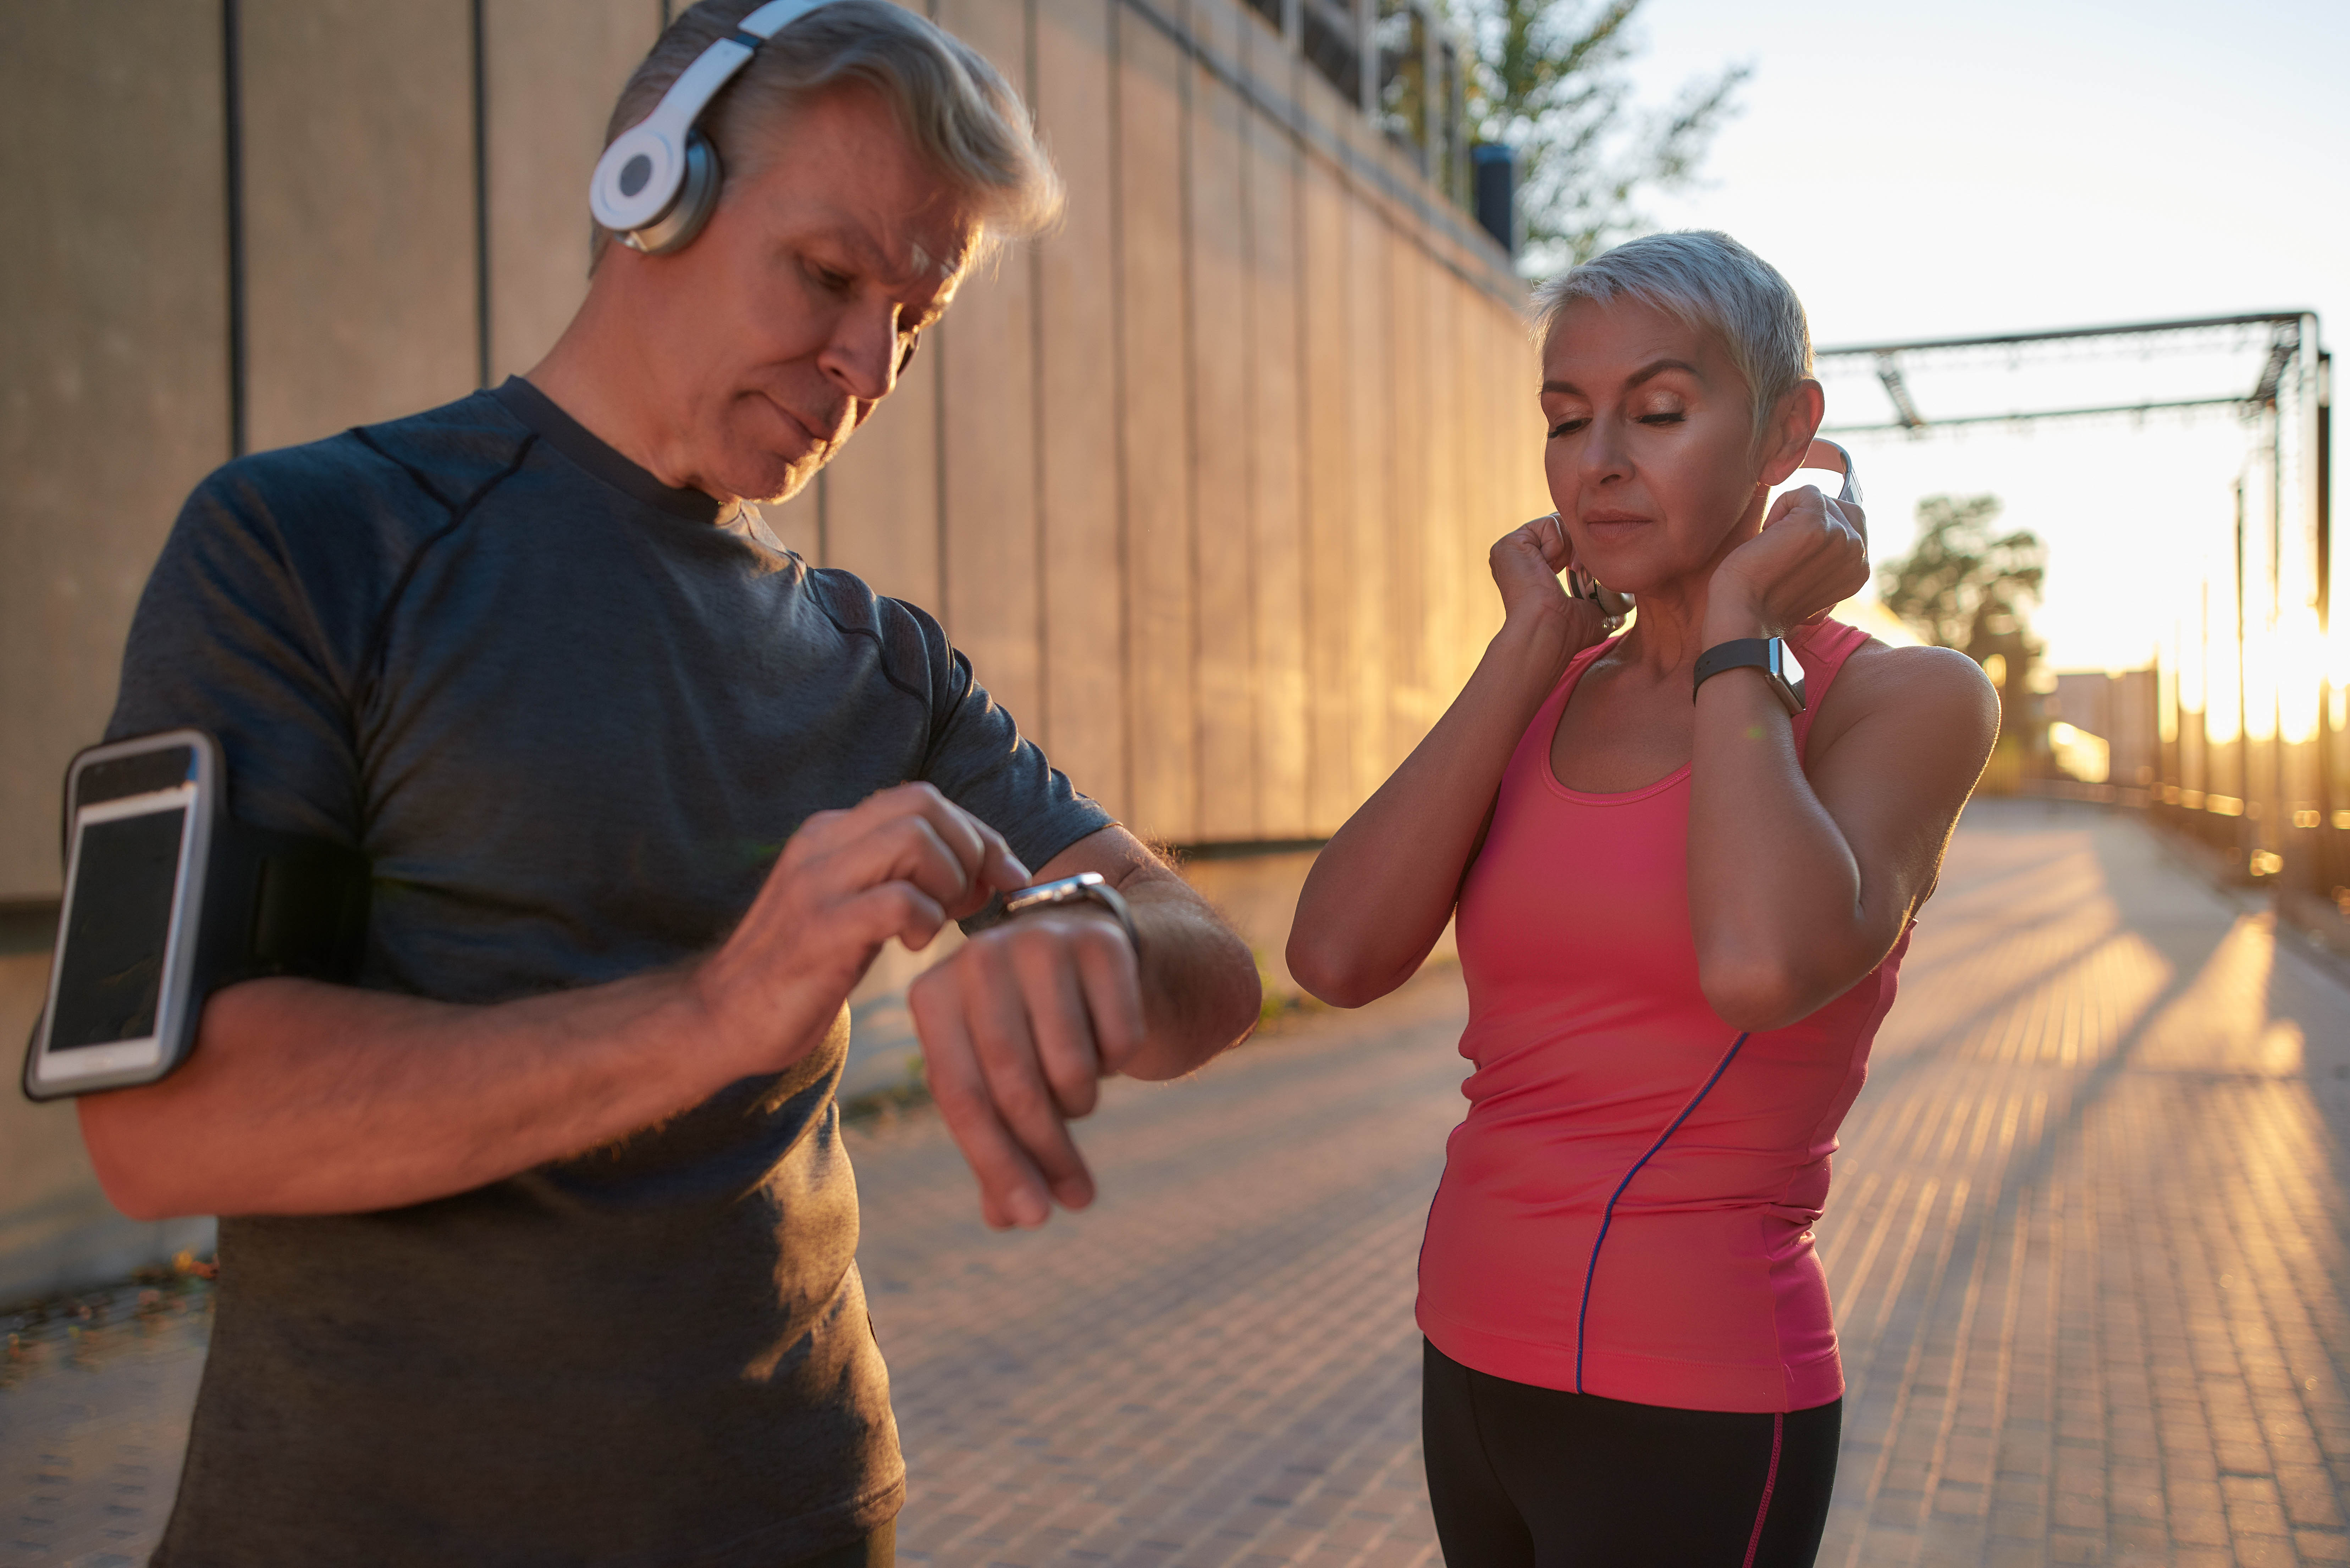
(167, 898)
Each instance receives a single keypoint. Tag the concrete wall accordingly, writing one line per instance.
(113, 362)
(1203, 482)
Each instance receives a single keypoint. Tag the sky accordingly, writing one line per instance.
(1926, 170)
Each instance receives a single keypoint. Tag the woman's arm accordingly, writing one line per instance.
(1800, 886)
(1380, 894)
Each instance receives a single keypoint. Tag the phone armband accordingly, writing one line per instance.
(167, 898)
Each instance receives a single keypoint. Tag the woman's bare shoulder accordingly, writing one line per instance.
(1939, 688)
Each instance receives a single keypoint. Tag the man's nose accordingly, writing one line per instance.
(862, 358)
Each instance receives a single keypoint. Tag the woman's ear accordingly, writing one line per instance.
(1787, 439)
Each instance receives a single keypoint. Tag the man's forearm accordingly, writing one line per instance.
(303, 1098)
(1199, 988)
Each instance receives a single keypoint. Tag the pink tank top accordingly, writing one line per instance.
(1627, 1209)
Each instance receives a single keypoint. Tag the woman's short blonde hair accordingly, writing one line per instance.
(961, 115)
(1712, 282)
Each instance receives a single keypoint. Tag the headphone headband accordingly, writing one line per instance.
(1851, 491)
(661, 168)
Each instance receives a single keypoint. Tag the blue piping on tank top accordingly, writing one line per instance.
(1608, 1215)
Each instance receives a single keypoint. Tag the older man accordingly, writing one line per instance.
(538, 1245)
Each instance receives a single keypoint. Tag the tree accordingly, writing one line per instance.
(1549, 82)
(1960, 586)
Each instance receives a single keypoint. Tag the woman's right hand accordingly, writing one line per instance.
(1527, 563)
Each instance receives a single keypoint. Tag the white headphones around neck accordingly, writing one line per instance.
(658, 183)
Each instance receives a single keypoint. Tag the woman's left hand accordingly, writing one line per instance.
(1811, 556)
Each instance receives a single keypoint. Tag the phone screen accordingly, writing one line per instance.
(111, 960)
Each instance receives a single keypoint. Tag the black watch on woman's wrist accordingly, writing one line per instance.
(1771, 655)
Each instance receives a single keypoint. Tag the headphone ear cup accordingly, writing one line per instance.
(674, 230)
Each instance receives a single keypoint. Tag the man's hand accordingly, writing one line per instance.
(901, 865)
(1023, 1021)
(1018, 1028)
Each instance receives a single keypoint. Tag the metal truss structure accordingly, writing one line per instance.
(2249, 745)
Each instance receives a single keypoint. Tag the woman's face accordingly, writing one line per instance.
(1650, 455)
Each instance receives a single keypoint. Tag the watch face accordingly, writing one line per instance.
(1790, 668)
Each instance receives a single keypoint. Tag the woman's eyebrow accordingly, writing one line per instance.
(1657, 368)
(1653, 368)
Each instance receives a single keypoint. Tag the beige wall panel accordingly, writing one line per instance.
(1475, 527)
(1084, 722)
(1221, 438)
(1329, 486)
(798, 523)
(1371, 630)
(1485, 514)
(1276, 476)
(881, 499)
(1412, 519)
(359, 163)
(1475, 524)
(1482, 514)
(113, 364)
(987, 371)
(1506, 487)
(552, 69)
(1158, 507)
(1439, 443)
(1514, 371)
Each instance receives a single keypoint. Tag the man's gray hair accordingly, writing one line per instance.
(961, 117)
(1710, 282)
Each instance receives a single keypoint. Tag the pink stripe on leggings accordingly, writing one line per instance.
(1770, 1479)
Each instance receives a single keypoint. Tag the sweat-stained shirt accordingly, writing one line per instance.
(571, 715)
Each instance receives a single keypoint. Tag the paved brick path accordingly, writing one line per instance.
(2087, 1248)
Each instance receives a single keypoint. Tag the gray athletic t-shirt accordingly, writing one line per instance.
(572, 716)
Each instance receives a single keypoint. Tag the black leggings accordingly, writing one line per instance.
(879, 1550)
(1523, 1477)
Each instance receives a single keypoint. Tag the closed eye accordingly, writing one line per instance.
(1663, 419)
(1567, 427)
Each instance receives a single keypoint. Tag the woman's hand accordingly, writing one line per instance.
(1527, 562)
(1811, 556)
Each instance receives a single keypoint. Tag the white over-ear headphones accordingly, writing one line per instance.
(658, 183)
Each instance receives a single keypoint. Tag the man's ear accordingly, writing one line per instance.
(1787, 439)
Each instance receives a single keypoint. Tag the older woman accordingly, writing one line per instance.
(1679, 922)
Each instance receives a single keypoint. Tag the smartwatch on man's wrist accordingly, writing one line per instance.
(1781, 668)
(1085, 887)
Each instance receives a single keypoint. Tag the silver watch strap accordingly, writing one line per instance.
(1085, 887)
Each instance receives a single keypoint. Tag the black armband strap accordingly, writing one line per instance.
(169, 898)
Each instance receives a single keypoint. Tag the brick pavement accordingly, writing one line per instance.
(93, 1418)
(2087, 1243)
(2087, 1248)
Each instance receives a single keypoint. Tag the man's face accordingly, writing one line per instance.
(783, 324)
